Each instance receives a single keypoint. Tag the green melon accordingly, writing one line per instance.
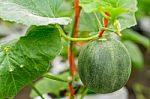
(104, 66)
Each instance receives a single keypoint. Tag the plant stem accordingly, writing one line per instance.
(80, 39)
(77, 18)
(74, 39)
(99, 23)
(105, 16)
(107, 29)
(71, 62)
(105, 25)
(71, 90)
(36, 90)
(71, 54)
(55, 78)
(84, 93)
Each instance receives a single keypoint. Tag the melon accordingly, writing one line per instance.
(104, 66)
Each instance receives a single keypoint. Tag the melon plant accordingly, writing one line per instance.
(104, 66)
(52, 25)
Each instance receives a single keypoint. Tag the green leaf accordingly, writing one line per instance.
(87, 18)
(43, 40)
(122, 10)
(88, 23)
(33, 12)
(24, 60)
(135, 54)
(46, 85)
(113, 7)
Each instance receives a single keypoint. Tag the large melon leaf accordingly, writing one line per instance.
(122, 10)
(87, 18)
(33, 12)
(24, 60)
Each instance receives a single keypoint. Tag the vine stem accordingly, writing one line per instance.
(84, 93)
(49, 76)
(80, 39)
(71, 90)
(105, 15)
(99, 23)
(36, 90)
(71, 55)
(105, 25)
(77, 17)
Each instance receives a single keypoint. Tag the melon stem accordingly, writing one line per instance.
(81, 39)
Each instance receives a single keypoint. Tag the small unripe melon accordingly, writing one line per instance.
(104, 66)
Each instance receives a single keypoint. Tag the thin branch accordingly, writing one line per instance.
(36, 90)
(105, 25)
(80, 39)
(55, 78)
(100, 25)
(84, 93)
(71, 55)
(71, 90)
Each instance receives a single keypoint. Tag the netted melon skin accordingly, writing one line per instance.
(104, 66)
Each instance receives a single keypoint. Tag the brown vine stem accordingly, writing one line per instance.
(72, 45)
(101, 32)
(71, 90)
(77, 17)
